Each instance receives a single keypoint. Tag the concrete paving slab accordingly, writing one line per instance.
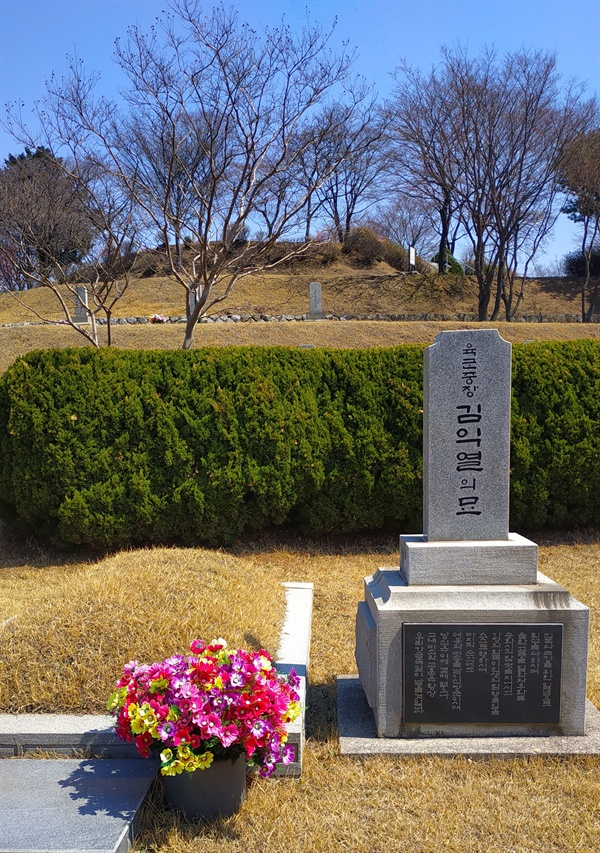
(358, 734)
(71, 806)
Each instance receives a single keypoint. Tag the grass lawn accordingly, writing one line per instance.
(79, 619)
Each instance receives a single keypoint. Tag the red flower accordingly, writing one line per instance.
(142, 742)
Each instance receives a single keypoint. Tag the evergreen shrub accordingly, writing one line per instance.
(574, 263)
(113, 448)
(555, 440)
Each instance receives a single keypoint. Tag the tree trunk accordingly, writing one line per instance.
(308, 218)
(500, 294)
(178, 249)
(593, 299)
(443, 240)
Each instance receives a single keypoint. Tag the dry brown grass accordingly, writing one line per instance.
(345, 288)
(15, 341)
(76, 624)
(78, 620)
(370, 805)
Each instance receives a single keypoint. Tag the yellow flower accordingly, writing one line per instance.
(205, 760)
(116, 699)
(183, 752)
(166, 755)
(137, 726)
(293, 711)
(172, 769)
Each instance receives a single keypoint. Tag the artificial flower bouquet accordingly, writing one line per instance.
(157, 318)
(214, 703)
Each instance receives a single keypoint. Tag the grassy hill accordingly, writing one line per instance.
(347, 290)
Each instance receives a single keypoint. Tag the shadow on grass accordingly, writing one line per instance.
(28, 550)
(161, 826)
(287, 539)
(321, 713)
(568, 289)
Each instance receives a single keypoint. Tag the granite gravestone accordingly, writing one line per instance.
(315, 305)
(466, 638)
(466, 450)
(81, 305)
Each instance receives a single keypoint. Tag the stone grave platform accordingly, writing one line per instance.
(465, 640)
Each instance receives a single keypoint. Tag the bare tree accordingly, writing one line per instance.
(421, 161)
(63, 222)
(579, 177)
(407, 222)
(229, 109)
(485, 139)
(350, 162)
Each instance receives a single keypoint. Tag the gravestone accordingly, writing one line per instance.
(466, 638)
(315, 305)
(81, 305)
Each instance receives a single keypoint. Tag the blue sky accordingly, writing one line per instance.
(37, 35)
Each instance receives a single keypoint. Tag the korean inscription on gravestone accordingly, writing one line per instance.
(466, 437)
(482, 673)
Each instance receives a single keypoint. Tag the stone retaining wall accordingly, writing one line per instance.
(286, 318)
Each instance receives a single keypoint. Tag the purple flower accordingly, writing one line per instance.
(237, 679)
(260, 728)
(288, 754)
(166, 729)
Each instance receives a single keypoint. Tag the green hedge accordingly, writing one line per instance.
(112, 448)
(555, 448)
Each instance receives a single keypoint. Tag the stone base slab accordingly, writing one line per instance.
(358, 734)
(510, 561)
(390, 603)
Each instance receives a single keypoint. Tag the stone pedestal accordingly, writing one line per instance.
(396, 681)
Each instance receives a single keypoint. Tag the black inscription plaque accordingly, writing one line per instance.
(482, 673)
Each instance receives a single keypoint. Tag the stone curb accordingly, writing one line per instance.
(294, 653)
(94, 734)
